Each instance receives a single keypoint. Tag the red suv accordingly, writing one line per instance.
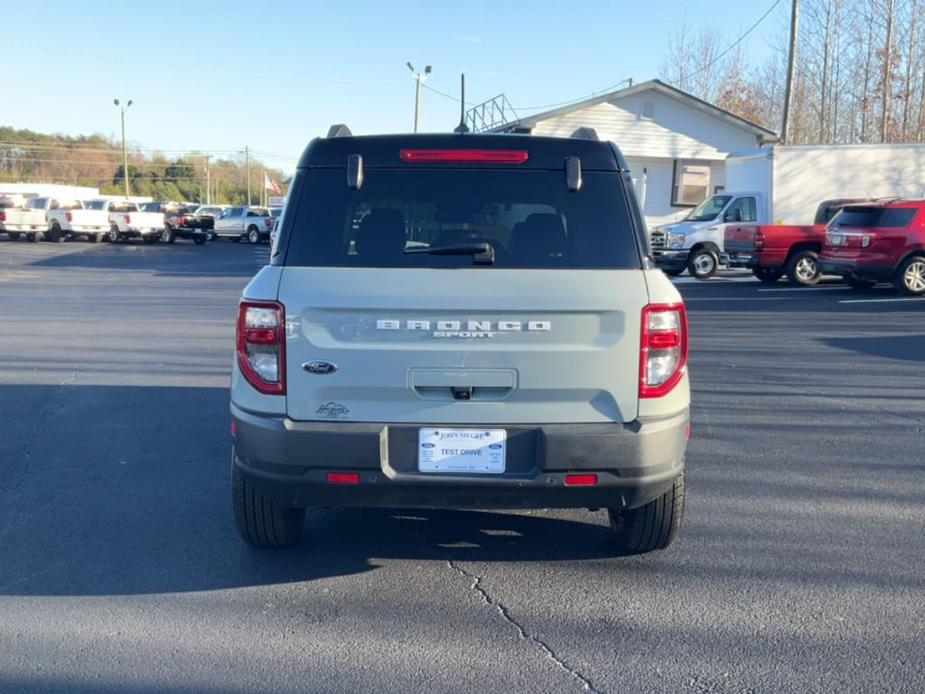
(878, 241)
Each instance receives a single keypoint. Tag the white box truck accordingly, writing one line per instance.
(784, 185)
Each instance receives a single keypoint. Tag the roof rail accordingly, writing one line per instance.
(339, 130)
(585, 134)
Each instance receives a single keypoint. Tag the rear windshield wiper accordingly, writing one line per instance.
(482, 253)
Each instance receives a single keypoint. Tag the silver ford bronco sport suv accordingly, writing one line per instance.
(463, 321)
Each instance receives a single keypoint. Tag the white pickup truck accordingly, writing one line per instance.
(126, 221)
(70, 218)
(25, 218)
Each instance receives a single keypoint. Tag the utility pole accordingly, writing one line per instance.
(419, 78)
(124, 150)
(208, 182)
(791, 59)
(247, 172)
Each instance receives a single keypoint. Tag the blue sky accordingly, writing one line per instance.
(218, 75)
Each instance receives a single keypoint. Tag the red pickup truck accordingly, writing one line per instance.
(878, 241)
(772, 251)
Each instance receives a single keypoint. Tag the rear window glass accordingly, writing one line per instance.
(875, 217)
(95, 205)
(530, 219)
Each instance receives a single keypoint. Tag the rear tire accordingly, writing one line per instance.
(262, 522)
(803, 269)
(114, 234)
(767, 275)
(167, 236)
(674, 272)
(93, 238)
(910, 277)
(653, 526)
(199, 240)
(702, 264)
(55, 235)
(36, 237)
(253, 235)
(211, 236)
(14, 236)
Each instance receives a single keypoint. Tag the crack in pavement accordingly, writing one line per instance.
(47, 409)
(476, 585)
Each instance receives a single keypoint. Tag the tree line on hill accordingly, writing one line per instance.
(95, 161)
(860, 72)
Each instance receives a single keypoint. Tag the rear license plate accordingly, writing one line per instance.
(462, 450)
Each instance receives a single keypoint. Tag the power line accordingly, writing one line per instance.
(735, 43)
(444, 94)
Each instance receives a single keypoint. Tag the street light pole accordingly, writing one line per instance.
(418, 80)
(124, 150)
(247, 172)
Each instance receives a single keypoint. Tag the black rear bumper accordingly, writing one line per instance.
(290, 461)
(671, 259)
(883, 273)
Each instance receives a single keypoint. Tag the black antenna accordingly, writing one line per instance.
(462, 127)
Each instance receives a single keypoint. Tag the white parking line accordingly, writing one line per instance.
(806, 289)
(881, 301)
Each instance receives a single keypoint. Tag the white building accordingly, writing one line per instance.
(676, 144)
(49, 190)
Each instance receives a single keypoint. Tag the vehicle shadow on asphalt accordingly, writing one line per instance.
(176, 260)
(906, 347)
(126, 490)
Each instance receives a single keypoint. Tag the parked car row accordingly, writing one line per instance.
(116, 220)
(862, 241)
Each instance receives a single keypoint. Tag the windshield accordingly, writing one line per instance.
(708, 209)
(530, 219)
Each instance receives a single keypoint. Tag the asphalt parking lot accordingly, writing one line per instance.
(801, 566)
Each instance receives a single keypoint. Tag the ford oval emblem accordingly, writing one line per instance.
(427, 445)
(494, 446)
(319, 368)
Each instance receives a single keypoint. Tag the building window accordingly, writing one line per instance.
(647, 112)
(690, 183)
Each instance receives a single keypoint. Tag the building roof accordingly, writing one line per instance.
(529, 122)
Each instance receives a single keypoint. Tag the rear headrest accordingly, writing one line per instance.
(538, 239)
(381, 234)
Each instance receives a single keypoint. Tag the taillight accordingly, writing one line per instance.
(268, 223)
(68, 216)
(261, 345)
(2, 216)
(576, 480)
(181, 220)
(466, 156)
(759, 239)
(127, 218)
(663, 349)
(343, 478)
